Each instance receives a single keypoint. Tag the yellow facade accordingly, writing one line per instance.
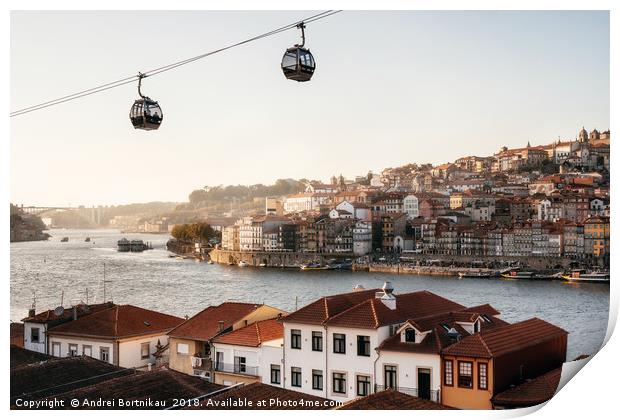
(472, 398)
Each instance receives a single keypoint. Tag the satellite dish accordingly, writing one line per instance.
(59, 311)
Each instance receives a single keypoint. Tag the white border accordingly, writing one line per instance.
(591, 394)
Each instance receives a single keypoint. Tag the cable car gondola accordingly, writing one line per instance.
(298, 63)
(145, 114)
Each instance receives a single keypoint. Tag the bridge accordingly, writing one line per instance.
(92, 214)
(38, 210)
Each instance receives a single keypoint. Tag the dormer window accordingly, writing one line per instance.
(410, 335)
(477, 326)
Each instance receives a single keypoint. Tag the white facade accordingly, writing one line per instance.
(408, 367)
(349, 364)
(358, 212)
(257, 360)
(411, 206)
(31, 342)
(362, 238)
(128, 353)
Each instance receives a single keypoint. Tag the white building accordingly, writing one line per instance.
(362, 238)
(250, 354)
(123, 335)
(307, 201)
(329, 345)
(360, 211)
(37, 325)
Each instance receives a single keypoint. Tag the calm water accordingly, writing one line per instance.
(183, 287)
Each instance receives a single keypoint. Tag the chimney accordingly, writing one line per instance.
(221, 324)
(31, 312)
(387, 298)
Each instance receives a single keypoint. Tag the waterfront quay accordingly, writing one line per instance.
(273, 259)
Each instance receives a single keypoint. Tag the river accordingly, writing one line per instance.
(53, 270)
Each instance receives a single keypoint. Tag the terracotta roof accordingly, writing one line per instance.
(54, 376)
(22, 357)
(324, 308)
(165, 386)
(248, 397)
(118, 321)
(533, 392)
(372, 313)
(254, 334)
(82, 310)
(438, 338)
(504, 340)
(205, 324)
(391, 400)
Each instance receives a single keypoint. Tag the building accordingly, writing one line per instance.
(123, 335)
(329, 344)
(190, 342)
(36, 325)
(249, 354)
(479, 366)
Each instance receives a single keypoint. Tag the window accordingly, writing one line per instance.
(275, 374)
(219, 360)
(296, 377)
(363, 385)
(410, 335)
(482, 376)
(182, 348)
(145, 350)
(465, 373)
(73, 350)
(340, 343)
(239, 364)
(339, 383)
(34, 335)
(104, 354)
(476, 327)
(87, 350)
(317, 341)
(390, 376)
(363, 345)
(448, 376)
(295, 339)
(317, 379)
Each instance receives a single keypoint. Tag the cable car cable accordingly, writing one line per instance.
(132, 79)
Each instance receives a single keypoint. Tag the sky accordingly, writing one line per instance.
(390, 88)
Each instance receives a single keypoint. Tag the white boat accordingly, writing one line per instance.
(262, 265)
(243, 264)
(314, 266)
(581, 276)
(210, 262)
(475, 274)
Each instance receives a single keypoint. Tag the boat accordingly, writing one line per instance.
(87, 239)
(65, 239)
(135, 245)
(243, 264)
(475, 274)
(519, 275)
(210, 262)
(582, 276)
(314, 266)
(262, 264)
(346, 265)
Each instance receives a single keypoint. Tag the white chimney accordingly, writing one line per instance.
(387, 298)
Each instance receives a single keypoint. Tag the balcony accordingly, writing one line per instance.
(240, 369)
(432, 394)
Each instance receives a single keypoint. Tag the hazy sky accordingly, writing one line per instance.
(390, 88)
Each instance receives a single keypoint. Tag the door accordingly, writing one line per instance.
(424, 383)
(56, 349)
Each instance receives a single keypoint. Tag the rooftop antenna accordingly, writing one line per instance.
(295, 302)
(62, 297)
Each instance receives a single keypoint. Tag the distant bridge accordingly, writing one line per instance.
(38, 210)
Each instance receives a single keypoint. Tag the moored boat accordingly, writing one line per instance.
(65, 239)
(475, 274)
(243, 264)
(87, 239)
(581, 276)
(519, 275)
(314, 266)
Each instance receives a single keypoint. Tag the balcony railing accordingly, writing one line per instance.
(432, 395)
(241, 368)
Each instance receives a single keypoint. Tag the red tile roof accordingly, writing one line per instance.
(391, 400)
(118, 321)
(324, 308)
(206, 324)
(532, 392)
(254, 334)
(506, 339)
(372, 313)
(67, 314)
